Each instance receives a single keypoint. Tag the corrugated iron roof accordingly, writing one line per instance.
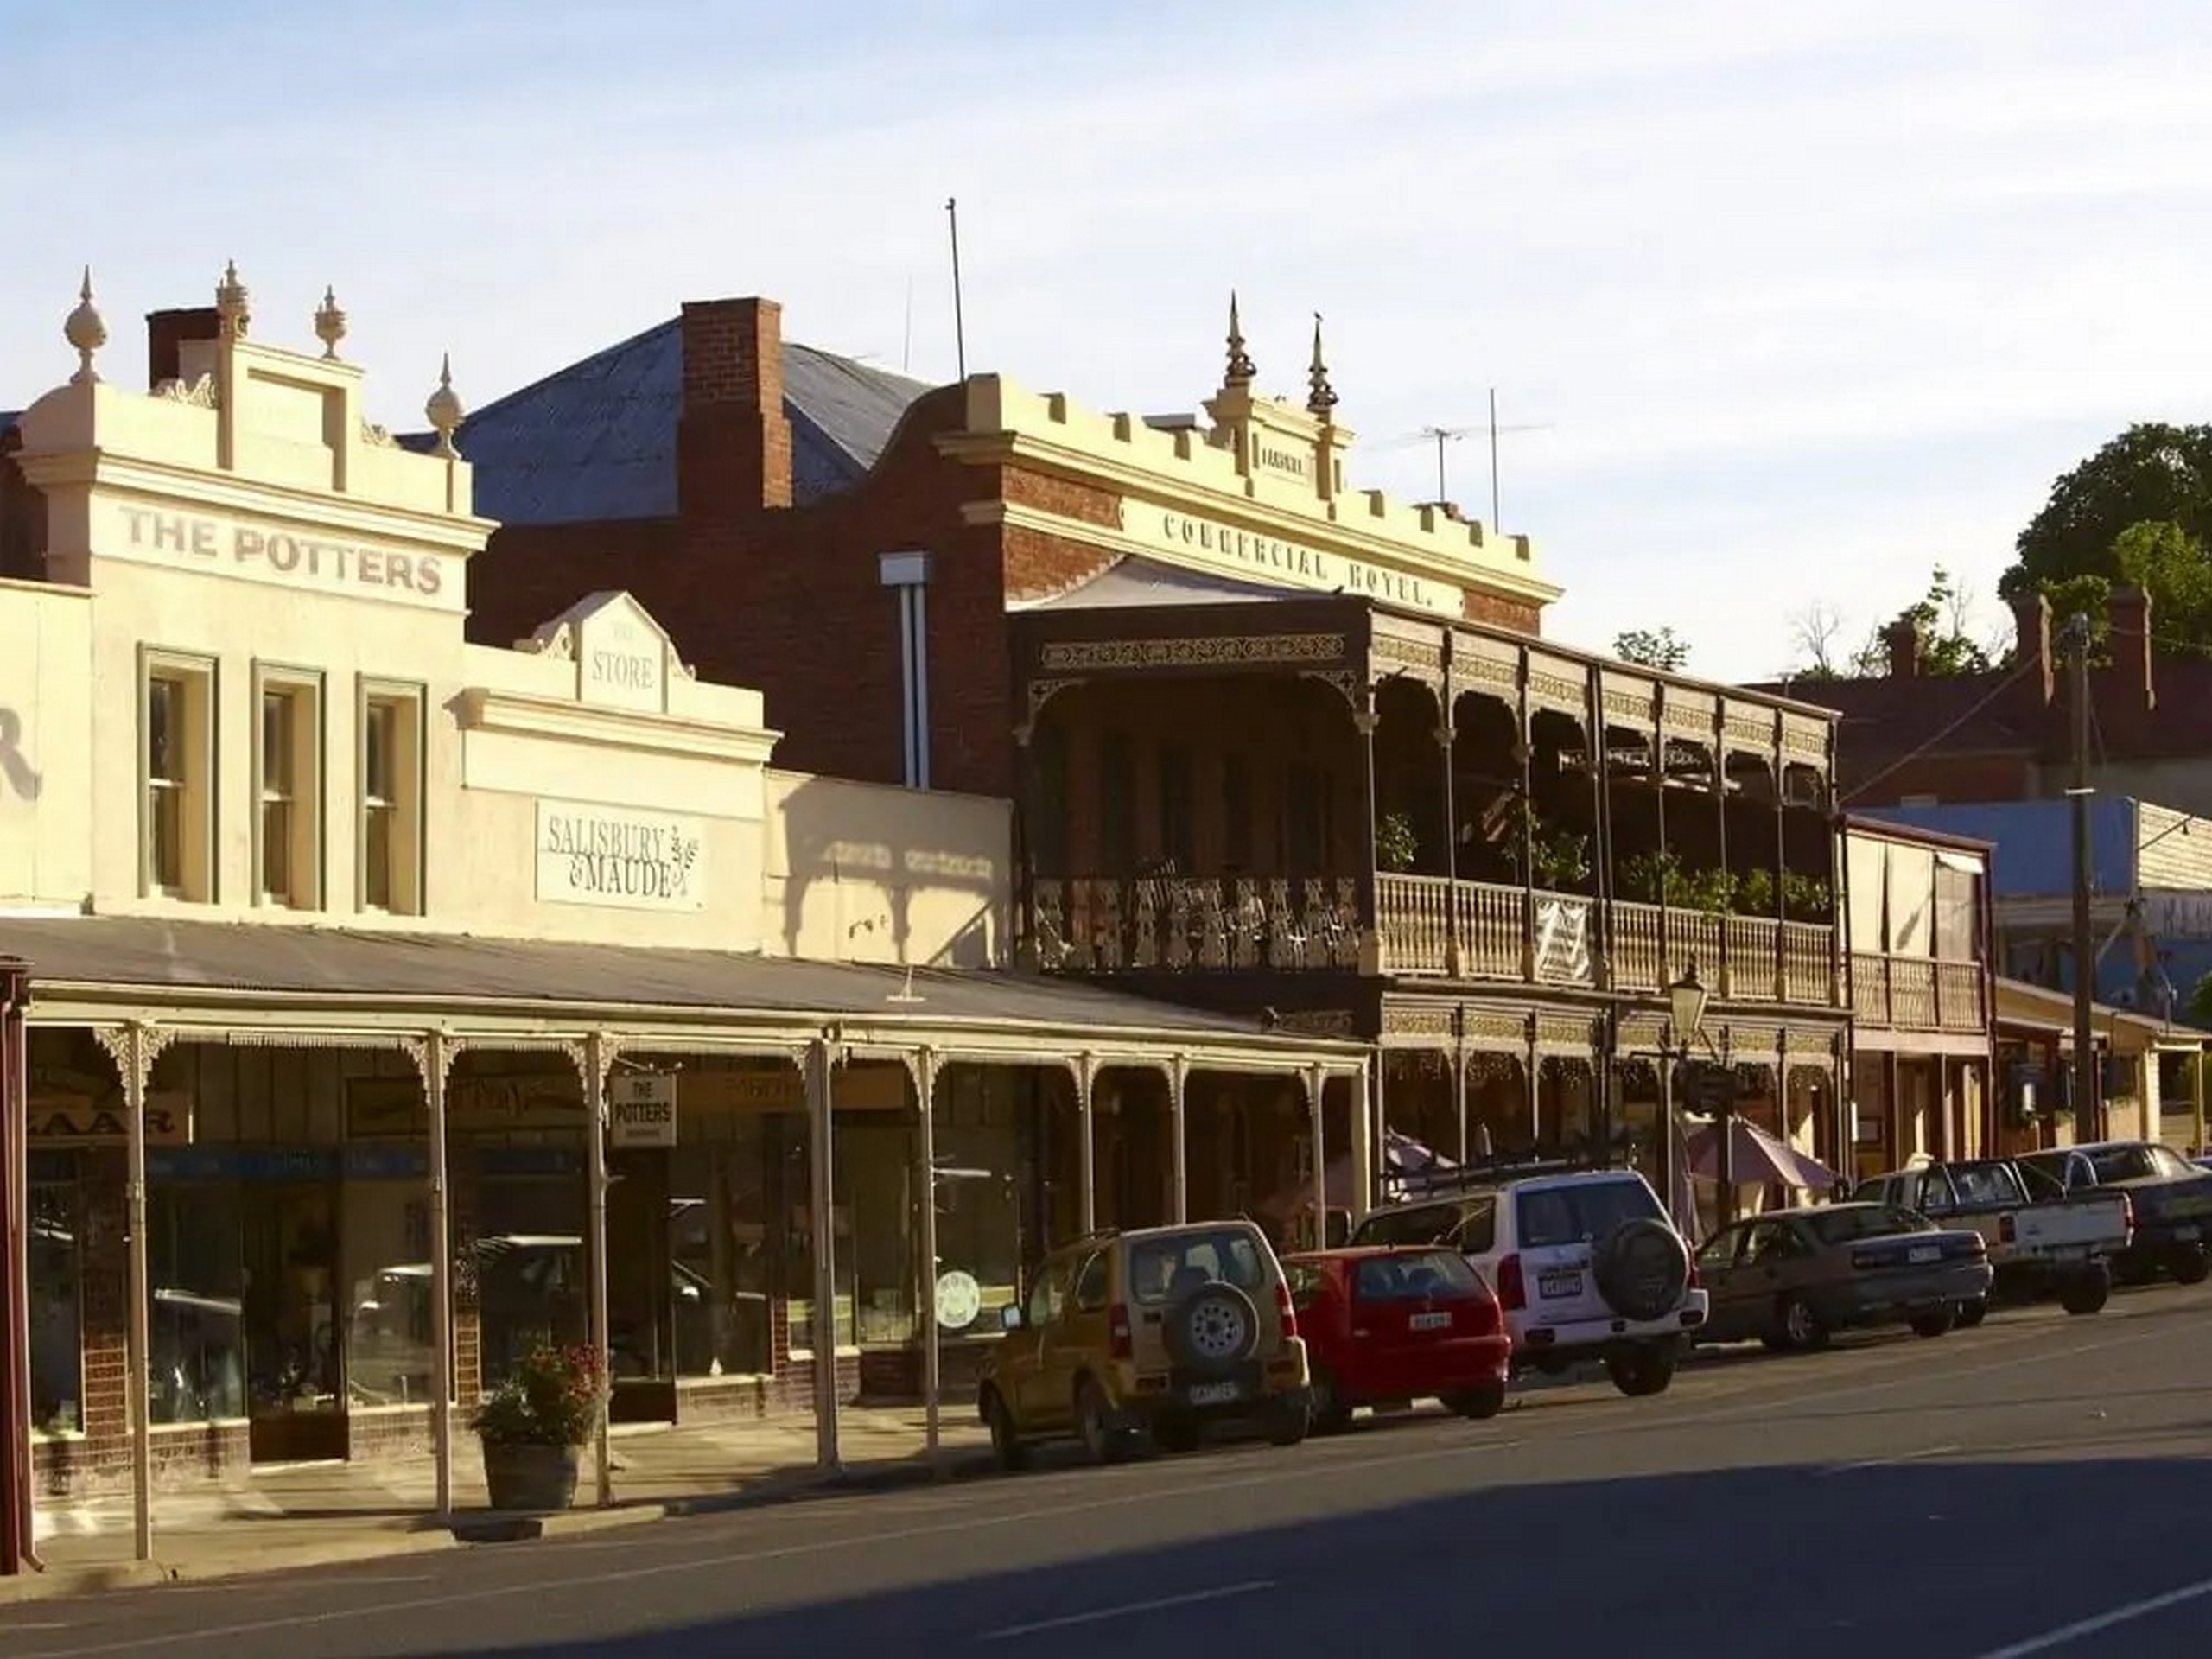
(160, 956)
(597, 440)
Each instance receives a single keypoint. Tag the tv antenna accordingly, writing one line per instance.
(1443, 435)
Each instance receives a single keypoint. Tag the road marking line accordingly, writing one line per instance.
(2118, 1616)
(1886, 1463)
(1068, 1621)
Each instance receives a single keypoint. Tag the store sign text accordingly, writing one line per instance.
(591, 856)
(61, 1120)
(1292, 562)
(263, 553)
(641, 1109)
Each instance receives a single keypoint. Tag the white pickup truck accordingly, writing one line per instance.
(2062, 1245)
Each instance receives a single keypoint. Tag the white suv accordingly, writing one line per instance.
(1584, 1262)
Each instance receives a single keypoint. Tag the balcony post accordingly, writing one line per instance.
(1601, 823)
(1459, 1074)
(1727, 981)
(1451, 959)
(1659, 816)
(1365, 718)
(1781, 866)
(1086, 1084)
(1524, 757)
(1027, 956)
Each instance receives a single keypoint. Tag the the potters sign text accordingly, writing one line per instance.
(285, 555)
(632, 860)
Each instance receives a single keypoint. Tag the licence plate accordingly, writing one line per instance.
(2188, 1235)
(1213, 1394)
(1429, 1322)
(1920, 1252)
(1553, 1285)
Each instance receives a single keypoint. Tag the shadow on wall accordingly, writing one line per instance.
(1877, 1581)
(872, 872)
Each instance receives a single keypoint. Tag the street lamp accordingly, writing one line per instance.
(1686, 1001)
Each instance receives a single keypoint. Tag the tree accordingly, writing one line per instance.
(1659, 648)
(2139, 510)
(1812, 633)
(1941, 617)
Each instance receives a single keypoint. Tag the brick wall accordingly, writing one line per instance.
(1497, 613)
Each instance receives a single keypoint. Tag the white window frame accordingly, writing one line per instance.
(301, 688)
(199, 679)
(404, 838)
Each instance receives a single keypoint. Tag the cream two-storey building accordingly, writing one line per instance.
(380, 977)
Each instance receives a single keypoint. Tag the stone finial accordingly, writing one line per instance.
(86, 331)
(233, 304)
(1241, 366)
(443, 410)
(329, 324)
(1322, 396)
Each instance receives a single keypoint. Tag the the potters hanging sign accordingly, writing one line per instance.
(632, 861)
(641, 1109)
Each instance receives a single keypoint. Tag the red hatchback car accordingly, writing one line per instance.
(1391, 1324)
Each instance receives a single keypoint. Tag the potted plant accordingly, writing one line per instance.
(1807, 897)
(1652, 878)
(1560, 860)
(1396, 844)
(532, 1424)
(1754, 893)
(1709, 890)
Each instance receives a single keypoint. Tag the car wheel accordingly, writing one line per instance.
(1642, 1269)
(1006, 1439)
(1480, 1403)
(1290, 1420)
(1176, 1435)
(1937, 1324)
(1092, 1427)
(1801, 1330)
(1643, 1369)
(1332, 1416)
(1214, 1329)
(2087, 1291)
(1972, 1313)
(2191, 1265)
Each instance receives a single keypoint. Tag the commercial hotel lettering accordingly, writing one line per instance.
(1309, 567)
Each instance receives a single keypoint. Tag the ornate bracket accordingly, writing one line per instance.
(433, 1050)
(133, 1048)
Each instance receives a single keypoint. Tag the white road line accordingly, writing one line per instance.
(1886, 1463)
(2113, 1620)
(1068, 1621)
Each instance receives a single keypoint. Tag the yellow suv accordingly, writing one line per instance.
(1160, 1330)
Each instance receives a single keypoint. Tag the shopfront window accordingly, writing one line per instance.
(978, 1189)
(389, 1354)
(532, 1283)
(195, 1303)
(719, 1255)
(56, 1293)
(877, 1207)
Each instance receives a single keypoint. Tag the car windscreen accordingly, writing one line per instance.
(1552, 1216)
(1161, 1269)
(1848, 1221)
(1421, 1224)
(1410, 1278)
(1980, 1184)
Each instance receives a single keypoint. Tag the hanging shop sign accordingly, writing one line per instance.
(959, 1300)
(630, 861)
(641, 1109)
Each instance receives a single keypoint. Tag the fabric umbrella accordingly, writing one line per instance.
(1760, 1159)
(1402, 1155)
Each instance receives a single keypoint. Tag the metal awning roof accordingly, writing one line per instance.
(209, 966)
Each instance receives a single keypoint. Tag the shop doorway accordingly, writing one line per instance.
(294, 1335)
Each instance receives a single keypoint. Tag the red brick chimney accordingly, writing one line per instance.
(2031, 621)
(2132, 651)
(1901, 637)
(166, 334)
(734, 440)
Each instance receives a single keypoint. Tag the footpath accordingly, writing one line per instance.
(318, 1515)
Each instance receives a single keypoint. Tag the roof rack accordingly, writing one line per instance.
(1478, 1173)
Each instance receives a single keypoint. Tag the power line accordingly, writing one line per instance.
(1907, 759)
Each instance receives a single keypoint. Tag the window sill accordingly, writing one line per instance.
(807, 1354)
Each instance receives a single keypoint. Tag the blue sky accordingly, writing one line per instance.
(1804, 299)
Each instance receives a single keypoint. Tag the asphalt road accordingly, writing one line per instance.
(2039, 1486)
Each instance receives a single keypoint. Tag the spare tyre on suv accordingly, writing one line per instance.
(1584, 1262)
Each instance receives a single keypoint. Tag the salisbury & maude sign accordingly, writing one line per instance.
(610, 856)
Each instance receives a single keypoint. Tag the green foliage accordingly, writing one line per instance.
(1561, 860)
(1755, 891)
(2200, 1001)
(1938, 617)
(1711, 892)
(551, 1398)
(1660, 648)
(1396, 847)
(1651, 878)
(1807, 897)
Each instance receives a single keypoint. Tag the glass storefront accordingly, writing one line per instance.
(57, 1258)
(532, 1281)
(721, 1263)
(385, 1251)
(979, 1168)
(195, 1285)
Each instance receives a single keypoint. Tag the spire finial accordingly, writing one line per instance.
(329, 324)
(233, 304)
(1322, 396)
(86, 331)
(1241, 366)
(443, 410)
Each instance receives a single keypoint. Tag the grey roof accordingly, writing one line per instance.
(8, 419)
(596, 440)
(1135, 582)
(156, 956)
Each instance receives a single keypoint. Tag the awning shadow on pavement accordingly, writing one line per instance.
(1911, 1557)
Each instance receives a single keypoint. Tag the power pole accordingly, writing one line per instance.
(2085, 950)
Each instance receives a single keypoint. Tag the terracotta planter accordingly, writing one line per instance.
(530, 1478)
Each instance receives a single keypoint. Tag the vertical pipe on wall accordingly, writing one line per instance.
(1178, 1077)
(15, 1479)
(1086, 1152)
(596, 1061)
(435, 1059)
(1364, 1144)
(1317, 1094)
(821, 1200)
